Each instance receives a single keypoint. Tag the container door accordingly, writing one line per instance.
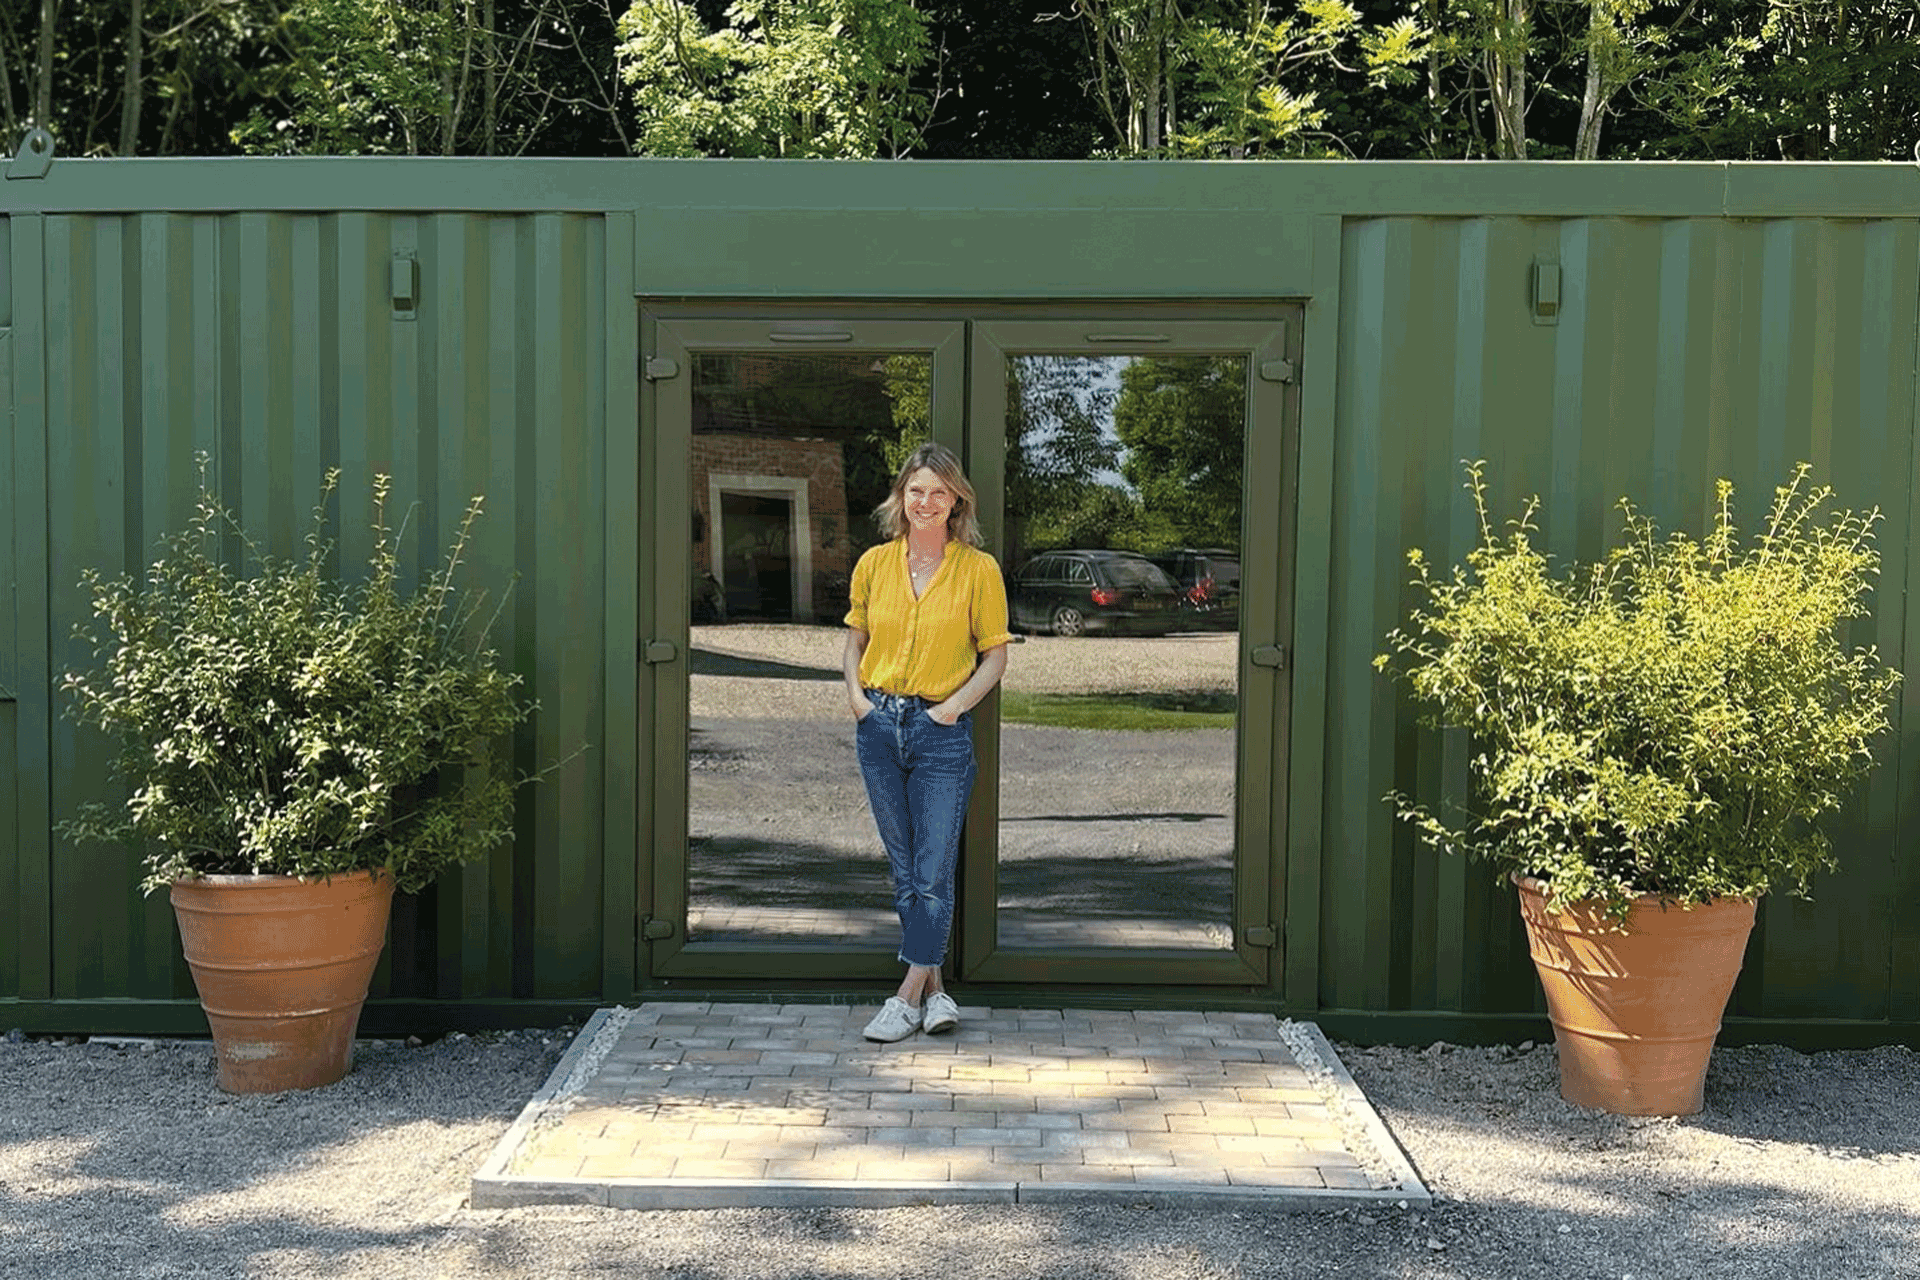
(1126, 825)
(771, 442)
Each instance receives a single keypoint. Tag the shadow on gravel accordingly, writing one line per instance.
(718, 662)
(1857, 1103)
(1801, 1167)
(130, 1161)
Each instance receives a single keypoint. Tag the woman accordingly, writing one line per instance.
(927, 638)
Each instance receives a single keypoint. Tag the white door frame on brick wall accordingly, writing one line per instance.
(799, 532)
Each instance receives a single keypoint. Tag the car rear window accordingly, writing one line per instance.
(1138, 575)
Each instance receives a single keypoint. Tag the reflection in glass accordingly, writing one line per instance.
(790, 454)
(1118, 715)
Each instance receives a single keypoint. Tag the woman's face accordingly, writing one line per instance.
(928, 500)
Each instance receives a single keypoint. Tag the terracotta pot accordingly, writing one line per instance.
(282, 965)
(1635, 1014)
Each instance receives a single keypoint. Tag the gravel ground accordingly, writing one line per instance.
(126, 1161)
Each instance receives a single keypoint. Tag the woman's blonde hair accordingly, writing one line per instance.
(962, 524)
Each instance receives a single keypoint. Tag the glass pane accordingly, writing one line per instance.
(791, 453)
(1120, 712)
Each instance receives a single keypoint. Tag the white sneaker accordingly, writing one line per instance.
(896, 1021)
(941, 1014)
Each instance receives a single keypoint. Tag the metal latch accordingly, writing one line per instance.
(659, 650)
(1276, 370)
(659, 367)
(1269, 655)
(1261, 935)
(653, 930)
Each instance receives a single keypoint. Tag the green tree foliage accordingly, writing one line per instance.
(1058, 450)
(1234, 79)
(792, 79)
(1182, 422)
(1792, 80)
(1216, 79)
(1672, 720)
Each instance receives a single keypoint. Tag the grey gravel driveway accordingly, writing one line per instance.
(126, 1161)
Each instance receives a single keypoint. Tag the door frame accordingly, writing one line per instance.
(1270, 341)
(669, 330)
(669, 338)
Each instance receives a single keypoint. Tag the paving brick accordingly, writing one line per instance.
(753, 1103)
(1081, 1173)
(1049, 1119)
(1210, 1124)
(1131, 1156)
(719, 1168)
(839, 1168)
(994, 1137)
(1265, 1176)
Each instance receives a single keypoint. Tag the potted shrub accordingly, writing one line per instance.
(1654, 740)
(296, 747)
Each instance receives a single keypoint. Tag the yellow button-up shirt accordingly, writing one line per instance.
(927, 647)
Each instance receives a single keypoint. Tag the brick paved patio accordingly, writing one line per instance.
(707, 1104)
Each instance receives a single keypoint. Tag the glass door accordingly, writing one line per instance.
(773, 441)
(1132, 781)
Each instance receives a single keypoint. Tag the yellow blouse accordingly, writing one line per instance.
(928, 646)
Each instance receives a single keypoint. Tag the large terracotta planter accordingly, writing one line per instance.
(282, 965)
(1635, 1014)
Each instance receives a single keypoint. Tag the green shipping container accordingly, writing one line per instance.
(678, 383)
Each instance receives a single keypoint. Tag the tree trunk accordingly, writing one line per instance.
(1593, 103)
(43, 85)
(1433, 79)
(130, 98)
(489, 112)
(1507, 81)
(8, 120)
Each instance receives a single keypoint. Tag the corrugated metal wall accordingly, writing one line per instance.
(1687, 349)
(274, 342)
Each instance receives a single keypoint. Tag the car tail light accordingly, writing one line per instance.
(1102, 596)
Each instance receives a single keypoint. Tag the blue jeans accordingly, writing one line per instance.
(919, 775)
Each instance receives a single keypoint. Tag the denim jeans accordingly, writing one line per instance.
(919, 774)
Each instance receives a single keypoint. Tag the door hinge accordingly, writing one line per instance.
(659, 367)
(1261, 935)
(653, 930)
(1269, 655)
(1276, 370)
(658, 651)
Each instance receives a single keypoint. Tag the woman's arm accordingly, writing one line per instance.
(986, 674)
(850, 668)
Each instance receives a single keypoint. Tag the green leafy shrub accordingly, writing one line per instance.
(285, 722)
(1672, 720)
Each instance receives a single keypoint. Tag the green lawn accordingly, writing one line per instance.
(1195, 709)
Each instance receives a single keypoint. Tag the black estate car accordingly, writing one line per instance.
(1073, 592)
(1209, 581)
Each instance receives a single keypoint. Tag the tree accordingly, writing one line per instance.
(1059, 450)
(1214, 81)
(1793, 80)
(1182, 421)
(782, 78)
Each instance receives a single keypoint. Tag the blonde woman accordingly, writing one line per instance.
(927, 638)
